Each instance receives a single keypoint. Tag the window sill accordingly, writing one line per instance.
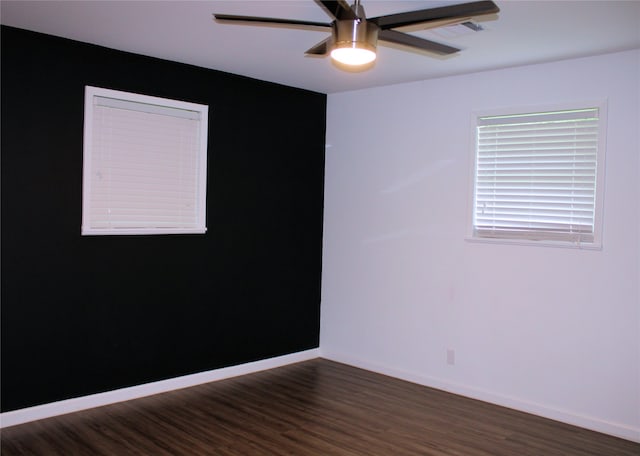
(145, 231)
(542, 243)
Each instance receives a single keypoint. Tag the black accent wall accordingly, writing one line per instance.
(87, 314)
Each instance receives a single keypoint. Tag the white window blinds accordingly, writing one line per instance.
(145, 164)
(536, 176)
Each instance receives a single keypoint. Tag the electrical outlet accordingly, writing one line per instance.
(451, 356)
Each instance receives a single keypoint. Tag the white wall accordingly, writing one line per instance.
(549, 330)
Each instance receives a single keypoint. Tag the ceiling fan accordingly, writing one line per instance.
(354, 38)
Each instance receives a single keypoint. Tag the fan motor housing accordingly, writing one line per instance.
(355, 34)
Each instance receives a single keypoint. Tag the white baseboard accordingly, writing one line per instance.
(110, 397)
(595, 424)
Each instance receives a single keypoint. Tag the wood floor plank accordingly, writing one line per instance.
(312, 408)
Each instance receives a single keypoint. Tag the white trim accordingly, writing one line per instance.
(110, 397)
(529, 242)
(143, 231)
(566, 416)
(156, 108)
(91, 91)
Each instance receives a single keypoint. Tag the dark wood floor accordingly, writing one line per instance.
(312, 408)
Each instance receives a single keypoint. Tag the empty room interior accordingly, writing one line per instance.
(434, 253)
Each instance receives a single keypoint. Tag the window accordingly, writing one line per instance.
(539, 175)
(144, 164)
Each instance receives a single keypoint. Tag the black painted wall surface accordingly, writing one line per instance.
(82, 314)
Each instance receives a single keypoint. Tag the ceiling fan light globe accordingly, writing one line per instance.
(353, 55)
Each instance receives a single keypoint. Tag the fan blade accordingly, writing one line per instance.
(463, 10)
(339, 10)
(322, 48)
(271, 21)
(393, 36)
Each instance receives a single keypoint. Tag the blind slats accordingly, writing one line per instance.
(536, 175)
(146, 164)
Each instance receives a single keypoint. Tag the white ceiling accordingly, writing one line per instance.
(524, 32)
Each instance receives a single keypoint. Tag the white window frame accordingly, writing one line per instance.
(533, 238)
(153, 106)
